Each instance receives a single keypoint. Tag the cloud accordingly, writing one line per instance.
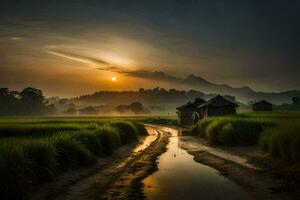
(79, 58)
(106, 66)
(15, 38)
(113, 69)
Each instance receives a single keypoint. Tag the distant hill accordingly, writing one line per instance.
(195, 85)
(242, 94)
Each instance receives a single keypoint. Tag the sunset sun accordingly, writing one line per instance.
(114, 79)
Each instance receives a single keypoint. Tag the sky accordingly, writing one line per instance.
(68, 48)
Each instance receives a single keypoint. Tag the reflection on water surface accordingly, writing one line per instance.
(180, 177)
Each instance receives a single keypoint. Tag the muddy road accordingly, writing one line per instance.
(164, 166)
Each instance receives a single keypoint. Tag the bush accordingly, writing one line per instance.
(202, 125)
(126, 130)
(70, 154)
(213, 131)
(232, 131)
(41, 155)
(109, 137)
(140, 128)
(90, 141)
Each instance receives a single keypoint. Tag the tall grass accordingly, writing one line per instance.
(282, 141)
(232, 131)
(276, 132)
(39, 152)
(126, 130)
(43, 129)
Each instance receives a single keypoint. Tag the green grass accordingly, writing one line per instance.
(162, 120)
(233, 131)
(42, 129)
(277, 132)
(282, 141)
(37, 150)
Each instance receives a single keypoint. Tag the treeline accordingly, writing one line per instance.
(29, 101)
(155, 96)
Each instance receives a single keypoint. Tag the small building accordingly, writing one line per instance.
(262, 106)
(217, 106)
(188, 113)
(191, 112)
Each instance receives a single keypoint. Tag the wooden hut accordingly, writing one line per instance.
(217, 106)
(262, 106)
(188, 113)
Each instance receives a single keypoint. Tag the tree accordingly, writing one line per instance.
(122, 108)
(33, 95)
(29, 101)
(33, 101)
(136, 107)
(9, 104)
(296, 100)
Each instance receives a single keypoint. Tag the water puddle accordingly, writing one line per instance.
(152, 135)
(180, 177)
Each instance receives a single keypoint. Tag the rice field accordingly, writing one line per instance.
(36, 150)
(276, 132)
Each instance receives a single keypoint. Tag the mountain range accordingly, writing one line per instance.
(242, 94)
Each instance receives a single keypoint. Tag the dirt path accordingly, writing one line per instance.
(258, 181)
(127, 183)
(117, 177)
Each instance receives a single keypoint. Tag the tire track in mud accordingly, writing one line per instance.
(127, 184)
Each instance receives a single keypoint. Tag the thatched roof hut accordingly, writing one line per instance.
(217, 106)
(191, 112)
(262, 106)
(188, 113)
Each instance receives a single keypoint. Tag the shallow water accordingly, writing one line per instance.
(189, 142)
(152, 135)
(180, 177)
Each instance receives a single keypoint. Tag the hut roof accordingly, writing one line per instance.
(262, 102)
(188, 104)
(218, 101)
(199, 101)
(196, 103)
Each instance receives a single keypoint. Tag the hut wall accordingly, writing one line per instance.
(185, 116)
(265, 107)
(221, 111)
